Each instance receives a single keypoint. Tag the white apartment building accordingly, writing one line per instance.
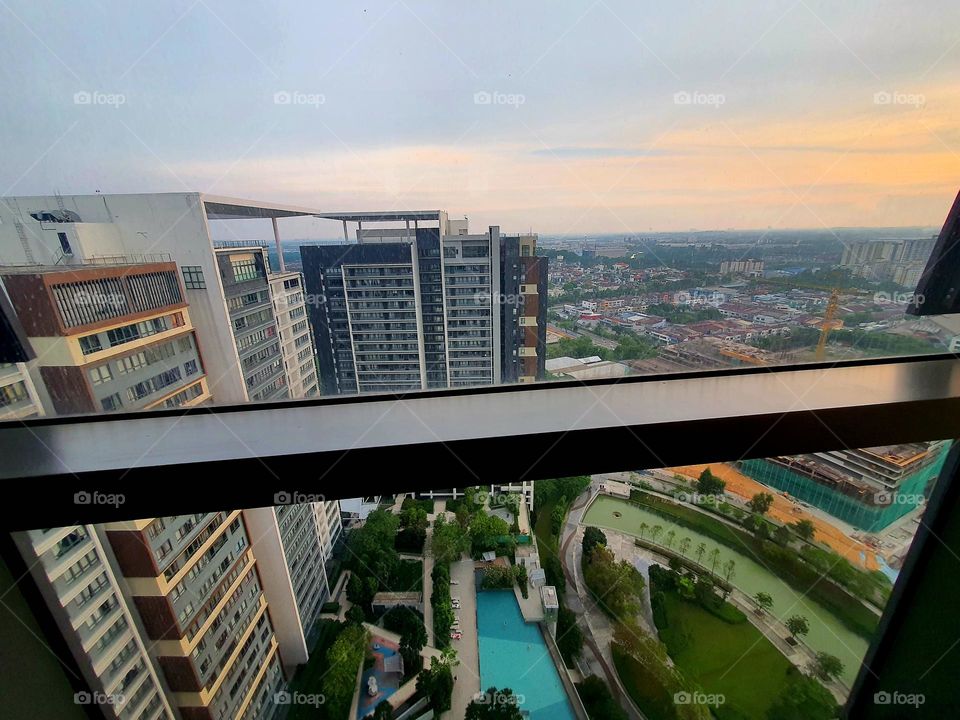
(18, 395)
(83, 230)
(83, 592)
(293, 328)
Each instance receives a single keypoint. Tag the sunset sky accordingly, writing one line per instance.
(564, 118)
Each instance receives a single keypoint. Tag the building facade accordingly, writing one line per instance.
(18, 394)
(293, 330)
(427, 307)
(108, 337)
(71, 568)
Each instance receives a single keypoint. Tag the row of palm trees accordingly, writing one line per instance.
(668, 540)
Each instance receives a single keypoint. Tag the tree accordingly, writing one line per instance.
(436, 683)
(593, 536)
(414, 516)
(710, 484)
(355, 614)
(701, 549)
(494, 705)
(643, 528)
(670, 537)
(827, 667)
(485, 530)
(383, 711)
(761, 503)
(617, 586)
(343, 659)
(569, 636)
(655, 532)
(757, 525)
(449, 541)
(728, 568)
(797, 625)
(764, 602)
(598, 701)
(805, 529)
(803, 699)
(360, 591)
(782, 535)
(684, 546)
(714, 558)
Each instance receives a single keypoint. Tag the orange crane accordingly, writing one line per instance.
(828, 322)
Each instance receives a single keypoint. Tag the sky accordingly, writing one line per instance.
(564, 118)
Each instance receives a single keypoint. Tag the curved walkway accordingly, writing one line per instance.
(596, 639)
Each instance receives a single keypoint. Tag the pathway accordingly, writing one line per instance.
(467, 673)
(597, 631)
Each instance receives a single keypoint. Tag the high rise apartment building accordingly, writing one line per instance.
(18, 394)
(80, 586)
(117, 336)
(293, 330)
(226, 286)
(410, 308)
(191, 616)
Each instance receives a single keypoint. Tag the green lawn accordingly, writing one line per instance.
(409, 577)
(720, 657)
(309, 677)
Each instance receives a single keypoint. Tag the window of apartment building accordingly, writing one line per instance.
(13, 393)
(64, 243)
(244, 270)
(90, 344)
(299, 327)
(131, 363)
(111, 402)
(193, 277)
(159, 352)
(155, 528)
(291, 283)
(100, 374)
(184, 396)
(165, 549)
(190, 367)
(301, 341)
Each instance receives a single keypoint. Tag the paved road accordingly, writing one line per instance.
(468, 671)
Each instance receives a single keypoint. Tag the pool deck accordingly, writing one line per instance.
(467, 673)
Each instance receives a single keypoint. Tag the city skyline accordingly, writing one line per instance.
(780, 115)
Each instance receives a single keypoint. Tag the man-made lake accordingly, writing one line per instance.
(827, 633)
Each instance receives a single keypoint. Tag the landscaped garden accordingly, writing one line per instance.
(722, 653)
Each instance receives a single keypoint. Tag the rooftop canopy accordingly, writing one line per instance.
(227, 208)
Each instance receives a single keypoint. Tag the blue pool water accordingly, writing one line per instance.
(514, 655)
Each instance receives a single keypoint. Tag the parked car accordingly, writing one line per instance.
(454, 582)
(456, 636)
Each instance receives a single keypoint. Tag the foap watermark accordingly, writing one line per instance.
(884, 697)
(98, 698)
(296, 498)
(898, 298)
(685, 97)
(895, 97)
(499, 698)
(94, 299)
(485, 97)
(296, 97)
(699, 698)
(95, 497)
(499, 298)
(284, 697)
(885, 497)
(96, 97)
(695, 498)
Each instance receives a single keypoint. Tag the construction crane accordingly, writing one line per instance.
(828, 322)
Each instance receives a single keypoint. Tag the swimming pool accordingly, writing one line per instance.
(514, 655)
